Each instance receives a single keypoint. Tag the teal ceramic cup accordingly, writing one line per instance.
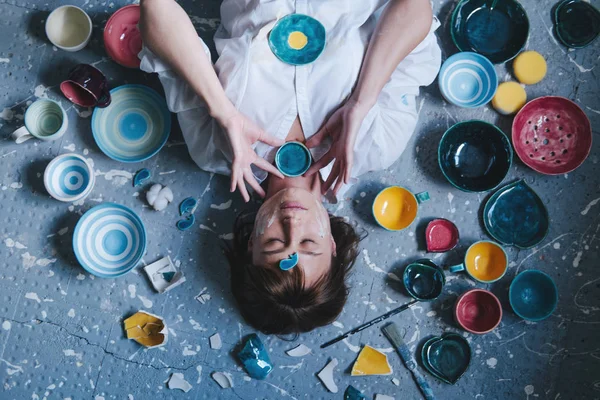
(293, 159)
(533, 295)
(45, 119)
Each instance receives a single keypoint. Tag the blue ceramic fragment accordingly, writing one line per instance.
(186, 223)
(188, 205)
(168, 276)
(516, 216)
(475, 156)
(424, 280)
(289, 263)
(533, 295)
(255, 358)
(141, 177)
(353, 393)
(310, 27)
(468, 80)
(293, 159)
(497, 29)
(447, 357)
(576, 23)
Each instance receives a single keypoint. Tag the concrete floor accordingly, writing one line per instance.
(61, 334)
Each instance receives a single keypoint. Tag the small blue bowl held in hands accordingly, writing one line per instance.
(468, 80)
(533, 295)
(475, 156)
(293, 159)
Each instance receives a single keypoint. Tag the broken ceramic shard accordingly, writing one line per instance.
(147, 329)
(326, 376)
(299, 351)
(371, 362)
(186, 223)
(353, 393)
(188, 205)
(223, 379)
(159, 197)
(396, 381)
(203, 296)
(255, 358)
(163, 275)
(383, 397)
(141, 177)
(215, 341)
(177, 381)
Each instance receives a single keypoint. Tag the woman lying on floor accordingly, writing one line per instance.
(354, 106)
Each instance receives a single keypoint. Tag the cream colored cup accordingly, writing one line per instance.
(69, 28)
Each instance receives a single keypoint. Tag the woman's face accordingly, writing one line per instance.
(293, 221)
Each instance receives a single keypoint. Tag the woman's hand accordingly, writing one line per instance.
(342, 126)
(242, 134)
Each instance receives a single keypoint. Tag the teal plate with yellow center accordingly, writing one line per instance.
(297, 39)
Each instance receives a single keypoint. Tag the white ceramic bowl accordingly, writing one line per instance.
(69, 177)
(69, 28)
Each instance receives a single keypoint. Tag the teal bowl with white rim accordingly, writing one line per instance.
(293, 159)
(135, 126)
(109, 240)
(69, 177)
(468, 80)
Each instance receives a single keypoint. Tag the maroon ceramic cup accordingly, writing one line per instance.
(478, 311)
(86, 87)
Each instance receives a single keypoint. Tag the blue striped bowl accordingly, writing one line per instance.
(135, 126)
(468, 80)
(69, 177)
(109, 240)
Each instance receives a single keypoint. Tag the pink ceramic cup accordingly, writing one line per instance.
(478, 311)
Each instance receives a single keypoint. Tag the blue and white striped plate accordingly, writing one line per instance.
(135, 126)
(69, 177)
(109, 240)
(468, 80)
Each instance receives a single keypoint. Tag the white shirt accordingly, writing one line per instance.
(272, 93)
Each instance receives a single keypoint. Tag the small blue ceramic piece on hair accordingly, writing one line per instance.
(533, 295)
(468, 80)
(424, 280)
(475, 156)
(497, 29)
(255, 358)
(353, 393)
(141, 177)
(289, 263)
(188, 205)
(516, 216)
(297, 39)
(186, 223)
(293, 159)
(576, 23)
(447, 357)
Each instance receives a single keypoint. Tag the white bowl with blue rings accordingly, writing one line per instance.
(468, 80)
(109, 240)
(69, 177)
(135, 126)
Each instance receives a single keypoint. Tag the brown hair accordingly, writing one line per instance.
(275, 301)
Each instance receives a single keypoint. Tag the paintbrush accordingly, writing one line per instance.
(391, 332)
(370, 323)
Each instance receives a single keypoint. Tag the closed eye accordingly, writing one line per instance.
(308, 241)
(273, 240)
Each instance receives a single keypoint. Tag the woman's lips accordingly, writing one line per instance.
(292, 205)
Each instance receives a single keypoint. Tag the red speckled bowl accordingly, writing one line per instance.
(478, 311)
(441, 235)
(552, 135)
(122, 38)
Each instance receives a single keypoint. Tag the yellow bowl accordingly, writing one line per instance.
(395, 208)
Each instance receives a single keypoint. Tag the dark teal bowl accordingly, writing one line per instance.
(498, 32)
(293, 159)
(475, 156)
(424, 280)
(310, 27)
(447, 357)
(533, 295)
(576, 23)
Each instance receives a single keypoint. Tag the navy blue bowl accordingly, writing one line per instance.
(533, 295)
(475, 156)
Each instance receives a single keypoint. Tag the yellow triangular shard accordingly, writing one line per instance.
(371, 362)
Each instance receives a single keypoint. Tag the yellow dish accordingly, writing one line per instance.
(486, 261)
(395, 208)
(297, 40)
(530, 67)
